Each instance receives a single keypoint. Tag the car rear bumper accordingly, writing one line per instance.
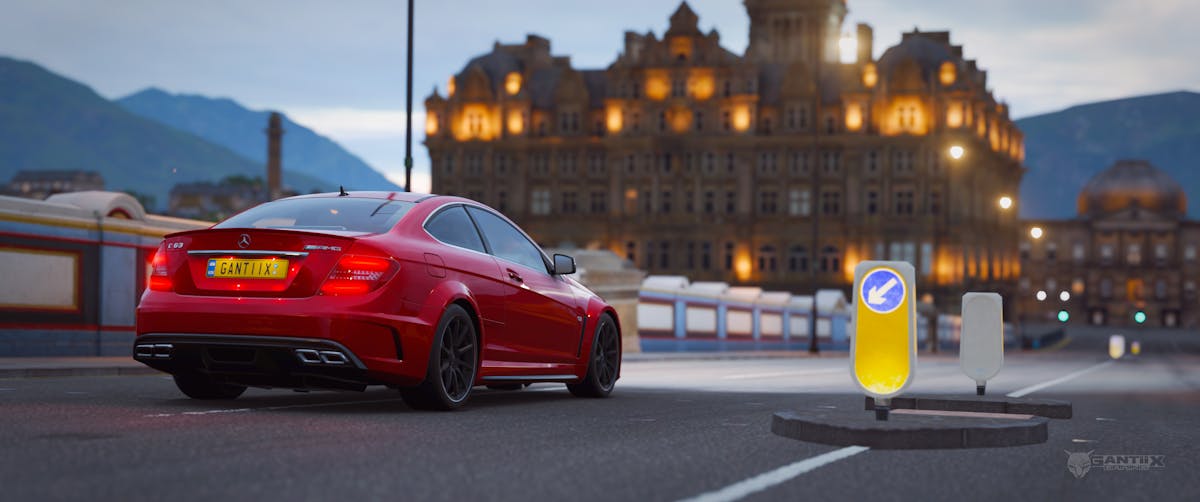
(269, 361)
(389, 345)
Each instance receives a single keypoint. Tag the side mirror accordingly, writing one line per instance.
(563, 264)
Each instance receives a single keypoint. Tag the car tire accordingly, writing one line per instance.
(200, 386)
(453, 363)
(604, 361)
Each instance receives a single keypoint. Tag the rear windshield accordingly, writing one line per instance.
(346, 214)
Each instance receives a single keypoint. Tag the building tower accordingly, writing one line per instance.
(794, 31)
(274, 156)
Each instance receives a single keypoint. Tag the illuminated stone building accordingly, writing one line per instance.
(1131, 249)
(783, 167)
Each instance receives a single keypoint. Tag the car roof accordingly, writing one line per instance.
(367, 194)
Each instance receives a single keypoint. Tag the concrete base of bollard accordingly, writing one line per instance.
(1048, 408)
(908, 431)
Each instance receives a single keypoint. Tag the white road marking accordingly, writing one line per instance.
(213, 412)
(1034, 388)
(1102, 419)
(771, 478)
(1084, 441)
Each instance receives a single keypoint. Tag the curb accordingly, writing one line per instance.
(1048, 408)
(908, 432)
(725, 356)
(75, 372)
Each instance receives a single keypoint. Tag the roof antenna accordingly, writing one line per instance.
(342, 191)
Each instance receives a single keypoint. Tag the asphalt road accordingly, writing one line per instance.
(673, 430)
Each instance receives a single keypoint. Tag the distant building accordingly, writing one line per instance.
(215, 201)
(783, 167)
(42, 184)
(1131, 249)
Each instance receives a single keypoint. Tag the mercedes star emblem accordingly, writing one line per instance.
(244, 241)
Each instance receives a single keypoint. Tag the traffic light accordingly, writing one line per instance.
(1139, 317)
(1063, 316)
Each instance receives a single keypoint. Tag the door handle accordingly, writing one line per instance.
(515, 276)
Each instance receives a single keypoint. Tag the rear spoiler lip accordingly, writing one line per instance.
(344, 234)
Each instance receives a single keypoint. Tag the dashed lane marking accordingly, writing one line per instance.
(771, 478)
(1034, 388)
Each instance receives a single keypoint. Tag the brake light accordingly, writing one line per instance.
(159, 279)
(357, 274)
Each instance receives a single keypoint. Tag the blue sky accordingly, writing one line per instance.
(338, 67)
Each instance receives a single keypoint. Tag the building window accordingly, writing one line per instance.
(501, 162)
(1106, 288)
(705, 255)
(698, 120)
(872, 162)
(649, 255)
(767, 164)
(1189, 252)
(647, 203)
(831, 162)
(1051, 251)
(730, 202)
(1134, 256)
(728, 256)
(570, 203)
(666, 202)
(935, 202)
(709, 202)
(1160, 289)
(1078, 252)
(631, 251)
(768, 202)
(678, 88)
(798, 202)
(904, 202)
(599, 203)
(726, 121)
(689, 202)
(797, 259)
(831, 202)
(766, 259)
(1106, 253)
(798, 163)
(902, 162)
(540, 202)
(502, 201)
(830, 259)
(447, 164)
(662, 121)
(596, 166)
(729, 162)
(664, 255)
(710, 163)
(1160, 253)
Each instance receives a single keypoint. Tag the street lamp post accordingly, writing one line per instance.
(942, 226)
(408, 160)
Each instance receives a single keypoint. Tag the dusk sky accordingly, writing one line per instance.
(338, 67)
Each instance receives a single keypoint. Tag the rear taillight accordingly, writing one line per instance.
(358, 274)
(159, 279)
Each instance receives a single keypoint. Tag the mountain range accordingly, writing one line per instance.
(145, 143)
(1065, 149)
(225, 122)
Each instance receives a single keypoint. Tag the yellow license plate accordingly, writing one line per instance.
(238, 268)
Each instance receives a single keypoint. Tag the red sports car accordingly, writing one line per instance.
(429, 294)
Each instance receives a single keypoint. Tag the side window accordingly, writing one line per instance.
(506, 241)
(454, 227)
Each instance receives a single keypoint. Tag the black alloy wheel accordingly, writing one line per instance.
(604, 361)
(452, 364)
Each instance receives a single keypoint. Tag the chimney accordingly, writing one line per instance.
(866, 42)
(274, 156)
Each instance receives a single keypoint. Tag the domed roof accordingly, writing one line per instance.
(1130, 183)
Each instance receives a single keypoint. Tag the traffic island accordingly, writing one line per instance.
(910, 429)
(1048, 408)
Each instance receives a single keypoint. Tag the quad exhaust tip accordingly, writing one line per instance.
(331, 357)
(153, 350)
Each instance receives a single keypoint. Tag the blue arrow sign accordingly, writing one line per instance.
(882, 290)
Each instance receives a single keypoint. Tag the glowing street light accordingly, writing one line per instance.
(1006, 202)
(957, 152)
(1041, 296)
(1035, 232)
